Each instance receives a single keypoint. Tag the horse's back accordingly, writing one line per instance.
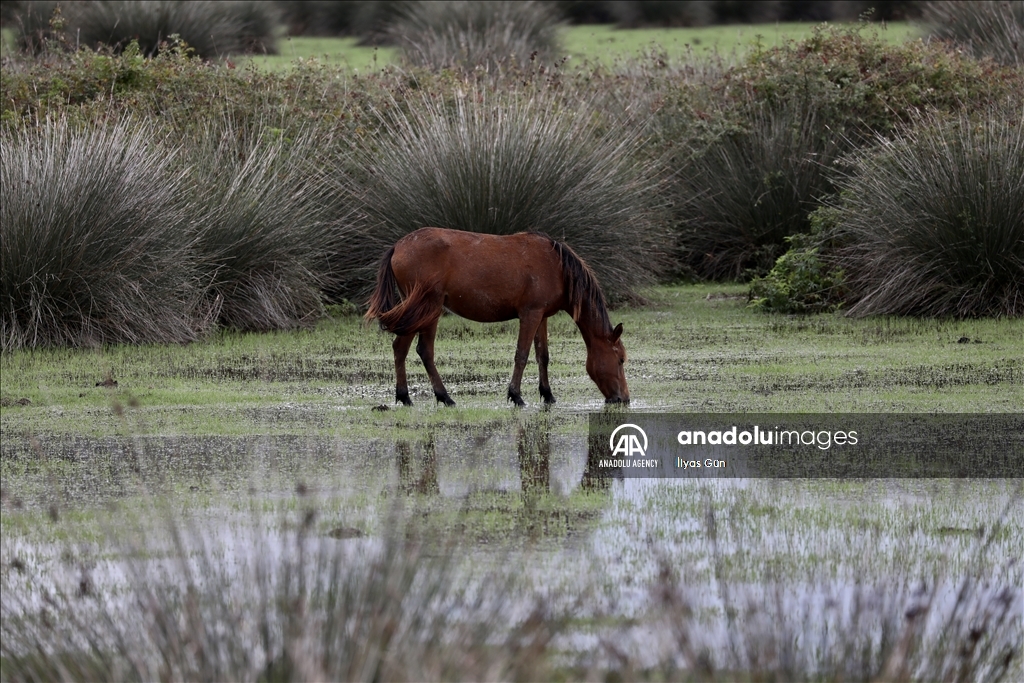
(482, 277)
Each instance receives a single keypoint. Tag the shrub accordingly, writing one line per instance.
(799, 282)
(510, 162)
(94, 246)
(751, 188)
(989, 29)
(267, 223)
(33, 18)
(760, 156)
(468, 35)
(859, 85)
(932, 222)
(212, 28)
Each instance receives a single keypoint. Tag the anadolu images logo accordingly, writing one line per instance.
(628, 444)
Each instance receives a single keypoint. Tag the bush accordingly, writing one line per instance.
(95, 244)
(469, 35)
(510, 162)
(212, 28)
(760, 156)
(988, 29)
(800, 282)
(267, 223)
(932, 222)
(751, 188)
(33, 18)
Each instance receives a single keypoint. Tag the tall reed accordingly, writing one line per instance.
(96, 244)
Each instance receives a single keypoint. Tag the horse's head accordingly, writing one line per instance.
(606, 358)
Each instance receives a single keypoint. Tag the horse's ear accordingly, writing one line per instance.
(616, 333)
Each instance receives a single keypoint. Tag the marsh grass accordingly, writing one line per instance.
(291, 606)
(987, 28)
(212, 28)
(932, 222)
(503, 163)
(96, 244)
(465, 36)
(897, 628)
(752, 188)
(181, 600)
(267, 221)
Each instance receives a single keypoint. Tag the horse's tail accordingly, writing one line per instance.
(411, 315)
(385, 296)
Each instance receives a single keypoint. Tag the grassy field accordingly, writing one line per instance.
(594, 43)
(695, 348)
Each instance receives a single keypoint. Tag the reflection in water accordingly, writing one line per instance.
(417, 477)
(533, 443)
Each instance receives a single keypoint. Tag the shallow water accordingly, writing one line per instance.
(797, 556)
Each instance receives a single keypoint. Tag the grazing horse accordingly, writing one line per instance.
(491, 278)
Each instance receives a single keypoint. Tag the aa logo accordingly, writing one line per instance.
(628, 443)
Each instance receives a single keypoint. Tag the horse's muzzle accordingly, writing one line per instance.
(617, 399)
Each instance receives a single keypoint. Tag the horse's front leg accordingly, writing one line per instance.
(401, 348)
(529, 321)
(540, 347)
(425, 348)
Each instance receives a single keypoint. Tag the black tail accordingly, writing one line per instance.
(385, 296)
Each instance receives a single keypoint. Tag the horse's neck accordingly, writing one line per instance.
(591, 325)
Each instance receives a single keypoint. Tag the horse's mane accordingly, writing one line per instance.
(581, 287)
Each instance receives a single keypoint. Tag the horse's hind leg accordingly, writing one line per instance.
(425, 348)
(401, 347)
(540, 346)
(529, 321)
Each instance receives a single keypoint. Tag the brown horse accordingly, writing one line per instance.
(491, 278)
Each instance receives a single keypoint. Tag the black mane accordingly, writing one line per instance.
(582, 288)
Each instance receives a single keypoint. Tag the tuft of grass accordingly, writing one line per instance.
(465, 36)
(932, 222)
(751, 188)
(988, 29)
(212, 28)
(510, 162)
(268, 222)
(95, 244)
(293, 607)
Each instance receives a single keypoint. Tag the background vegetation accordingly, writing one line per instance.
(290, 184)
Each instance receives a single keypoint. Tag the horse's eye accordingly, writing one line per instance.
(621, 361)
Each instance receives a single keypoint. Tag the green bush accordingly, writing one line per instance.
(988, 29)
(467, 35)
(267, 223)
(751, 188)
(859, 86)
(95, 244)
(753, 151)
(932, 222)
(800, 282)
(500, 162)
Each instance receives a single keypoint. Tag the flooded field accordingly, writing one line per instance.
(208, 524)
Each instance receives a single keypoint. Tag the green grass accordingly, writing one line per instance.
(695, 348)
(596, 43)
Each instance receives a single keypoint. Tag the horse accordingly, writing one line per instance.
(493, 278)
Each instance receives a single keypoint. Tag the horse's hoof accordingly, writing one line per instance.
(443, 397)
(548, 397)
(514, 396)
(403, 398)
